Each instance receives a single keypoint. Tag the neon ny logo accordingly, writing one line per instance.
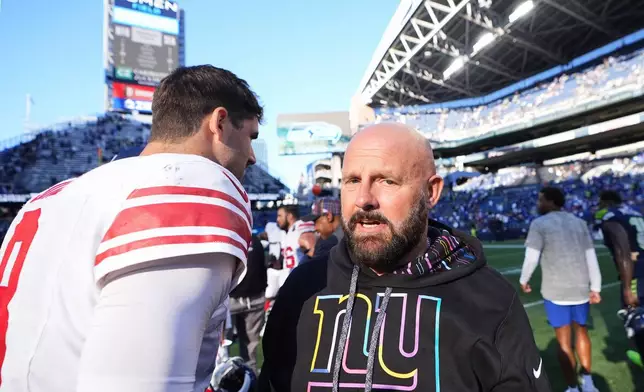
(400, 326)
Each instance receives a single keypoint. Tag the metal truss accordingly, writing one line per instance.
(437, 55)
(428, 21)
(578, 11)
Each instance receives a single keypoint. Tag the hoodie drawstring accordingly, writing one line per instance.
(375, 335)
(345, 328)
(346, 325)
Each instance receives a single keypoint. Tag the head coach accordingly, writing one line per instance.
(403, 303)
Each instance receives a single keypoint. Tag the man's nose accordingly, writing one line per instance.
(365, 199)
(251, 159)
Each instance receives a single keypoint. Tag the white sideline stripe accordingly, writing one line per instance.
(536, 303)
(522, 246)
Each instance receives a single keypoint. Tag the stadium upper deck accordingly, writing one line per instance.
(445, 50)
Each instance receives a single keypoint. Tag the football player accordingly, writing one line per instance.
(117, 280)
(623, 230)
(298, 240)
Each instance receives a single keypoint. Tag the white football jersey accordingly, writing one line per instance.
(291, 243)
(275, 238)
(69, 240)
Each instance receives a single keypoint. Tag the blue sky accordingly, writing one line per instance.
(298, 56)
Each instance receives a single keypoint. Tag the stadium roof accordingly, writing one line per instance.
(441, 50)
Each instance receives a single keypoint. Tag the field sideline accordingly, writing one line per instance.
(611, 371)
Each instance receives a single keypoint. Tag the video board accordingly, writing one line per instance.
(132, 97)
(142, 47)
(313, 133)
(143, 40)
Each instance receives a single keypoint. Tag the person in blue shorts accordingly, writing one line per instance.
(571, 281)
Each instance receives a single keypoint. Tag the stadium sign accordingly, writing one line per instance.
(154, 7)
(142, 56)
(314, 133)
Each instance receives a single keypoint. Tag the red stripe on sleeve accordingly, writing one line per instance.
(191, 191)
(157, 216)
(54, 190)
(241, 191)
(167, 240)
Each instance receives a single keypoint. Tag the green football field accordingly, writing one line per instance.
(611, 370)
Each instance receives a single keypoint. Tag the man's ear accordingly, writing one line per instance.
(434, 189)
(217, 120)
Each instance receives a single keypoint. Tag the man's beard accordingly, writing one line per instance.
(384, 251)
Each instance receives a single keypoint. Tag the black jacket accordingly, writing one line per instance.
(453, 326)
(254, 283)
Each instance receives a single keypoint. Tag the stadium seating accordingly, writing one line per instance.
(614, 76)
(52, 155)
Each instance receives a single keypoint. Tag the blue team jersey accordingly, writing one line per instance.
(633, 223)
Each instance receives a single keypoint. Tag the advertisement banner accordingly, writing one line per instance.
(142, 56)
(132, 97)
(313, 133)
(165, 8)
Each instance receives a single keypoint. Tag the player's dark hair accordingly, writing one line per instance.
(555, 195)
(611, 197)
(188, 94)
(291, 209)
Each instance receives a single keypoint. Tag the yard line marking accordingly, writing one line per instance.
(521, 246)
(536, 303)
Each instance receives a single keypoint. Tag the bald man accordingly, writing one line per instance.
(403, 302)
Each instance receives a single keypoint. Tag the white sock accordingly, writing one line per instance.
(587, 379)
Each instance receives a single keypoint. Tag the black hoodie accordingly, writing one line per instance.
(445, 322)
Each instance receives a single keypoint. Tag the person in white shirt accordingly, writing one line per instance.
(571, 281)
(117, 280)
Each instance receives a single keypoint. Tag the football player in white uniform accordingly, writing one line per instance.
(117, 280)
(298, 240)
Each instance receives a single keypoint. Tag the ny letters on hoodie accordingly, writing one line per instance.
(443, 322)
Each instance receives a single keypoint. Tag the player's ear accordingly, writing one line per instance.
(434, 189)
(217, 122)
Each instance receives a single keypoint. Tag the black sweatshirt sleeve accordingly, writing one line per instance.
(521, 363)
(279, 344)
(280, 336)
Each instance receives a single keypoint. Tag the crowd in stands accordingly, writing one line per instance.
(52, 155)
(505, 211)
(614, 77)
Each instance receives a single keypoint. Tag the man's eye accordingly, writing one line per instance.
(390, 182)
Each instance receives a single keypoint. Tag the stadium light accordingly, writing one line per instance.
(456, 65)
(521, 10)
(482, 42)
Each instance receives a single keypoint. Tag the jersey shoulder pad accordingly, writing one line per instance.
(193, 210)
(608, 214)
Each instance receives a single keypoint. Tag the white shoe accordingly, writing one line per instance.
(588, 387)
(571, 389)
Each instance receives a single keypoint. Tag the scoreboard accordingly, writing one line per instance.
(142, 40)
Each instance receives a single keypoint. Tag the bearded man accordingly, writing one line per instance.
(403, 302)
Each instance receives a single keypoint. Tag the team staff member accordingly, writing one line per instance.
(571, 281)
(326, 215)
(402, 303)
